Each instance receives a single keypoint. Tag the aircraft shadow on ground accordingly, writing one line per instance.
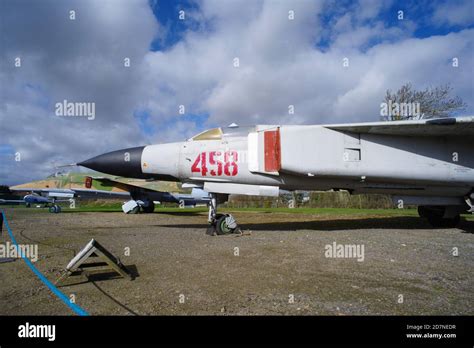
(406, 223)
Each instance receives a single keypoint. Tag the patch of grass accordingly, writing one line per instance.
(325, 211)
(112, 207)
(331, 211)
(117, 207)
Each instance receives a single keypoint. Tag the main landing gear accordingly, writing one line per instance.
(220, 223)
(137, 206)
(55, 209)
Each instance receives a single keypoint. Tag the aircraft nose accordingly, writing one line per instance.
(126, 162)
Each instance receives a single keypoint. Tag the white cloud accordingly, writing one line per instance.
(80, 60)
(460, 12)
(281, 65)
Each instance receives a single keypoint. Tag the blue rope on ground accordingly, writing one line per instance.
(77, 309)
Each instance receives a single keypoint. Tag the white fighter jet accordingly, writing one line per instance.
(429, 163)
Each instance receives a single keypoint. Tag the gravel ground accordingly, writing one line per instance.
(281, 267)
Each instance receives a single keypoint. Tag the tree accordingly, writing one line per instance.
(408, 103)
(4, 189)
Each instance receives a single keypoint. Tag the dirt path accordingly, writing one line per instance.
(280, 268)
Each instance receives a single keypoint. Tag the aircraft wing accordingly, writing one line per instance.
(163, 187)
(104, 187)
(3, 201)
(41, 190)
(91, 193)
(75, 192)
(452, 126)
(109, 182)
(162, 193)
(111, 188)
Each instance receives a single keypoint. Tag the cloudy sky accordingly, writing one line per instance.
(217, 61)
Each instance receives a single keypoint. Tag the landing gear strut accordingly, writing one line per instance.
(220, 223)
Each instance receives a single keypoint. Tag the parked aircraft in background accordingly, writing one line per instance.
(429, 163)
(33, 198)
(140, 194)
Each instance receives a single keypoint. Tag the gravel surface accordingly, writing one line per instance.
(278, 266)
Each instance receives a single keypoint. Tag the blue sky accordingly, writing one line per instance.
(420, 11)
(190, 63)
(167, 12)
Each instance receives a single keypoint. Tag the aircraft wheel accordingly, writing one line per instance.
(225, 224)
(55, 209)
(150, 208)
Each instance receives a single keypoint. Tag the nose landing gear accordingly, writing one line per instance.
(220, 223)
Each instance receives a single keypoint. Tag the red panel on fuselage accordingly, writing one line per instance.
(88, 182)
(272, 151)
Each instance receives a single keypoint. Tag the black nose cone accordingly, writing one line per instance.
(126, 162)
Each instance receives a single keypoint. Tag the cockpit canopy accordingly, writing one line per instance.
(210, 134)
(223, 132)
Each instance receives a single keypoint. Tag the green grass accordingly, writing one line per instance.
(116, 207)
(326, 211)
(329, 211)
(112, 207)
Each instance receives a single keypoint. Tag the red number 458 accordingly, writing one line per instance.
(217, 167)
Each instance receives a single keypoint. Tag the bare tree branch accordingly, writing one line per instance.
(428, 103)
